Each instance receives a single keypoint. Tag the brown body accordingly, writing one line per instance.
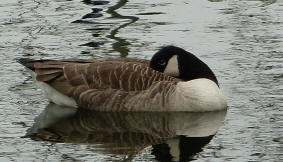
(107, 84)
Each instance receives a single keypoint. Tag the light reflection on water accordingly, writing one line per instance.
(172, 135)
(241, 40)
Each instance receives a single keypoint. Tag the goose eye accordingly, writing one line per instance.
(162, 62)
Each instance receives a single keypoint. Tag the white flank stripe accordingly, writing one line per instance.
(56, 97)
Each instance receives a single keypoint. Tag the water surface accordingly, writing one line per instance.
(240, 40)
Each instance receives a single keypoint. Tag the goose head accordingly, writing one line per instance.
(179, 63)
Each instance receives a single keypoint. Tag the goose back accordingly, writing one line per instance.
(108, 85)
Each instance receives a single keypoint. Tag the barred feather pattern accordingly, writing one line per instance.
(109, 85)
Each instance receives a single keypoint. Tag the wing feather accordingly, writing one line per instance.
(98, 83)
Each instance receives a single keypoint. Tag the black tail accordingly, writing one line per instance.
(28, 63)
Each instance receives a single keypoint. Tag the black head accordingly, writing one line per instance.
(179, 63)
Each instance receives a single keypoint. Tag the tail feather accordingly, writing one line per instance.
(28, 63)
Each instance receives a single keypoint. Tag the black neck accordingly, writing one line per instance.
(195, 69)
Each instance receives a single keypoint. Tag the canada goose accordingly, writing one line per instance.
(173, 80)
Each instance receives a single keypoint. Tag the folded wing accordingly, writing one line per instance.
(101, 83)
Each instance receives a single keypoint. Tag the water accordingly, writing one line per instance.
(240, 40)
(128, 133)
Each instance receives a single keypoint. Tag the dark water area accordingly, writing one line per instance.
(240, 40)
(172, 136)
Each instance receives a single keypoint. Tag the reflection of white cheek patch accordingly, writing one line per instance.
(172, 68)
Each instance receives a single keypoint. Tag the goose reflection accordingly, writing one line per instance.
(174, 136)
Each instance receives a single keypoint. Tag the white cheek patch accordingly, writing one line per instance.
(172, 67)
